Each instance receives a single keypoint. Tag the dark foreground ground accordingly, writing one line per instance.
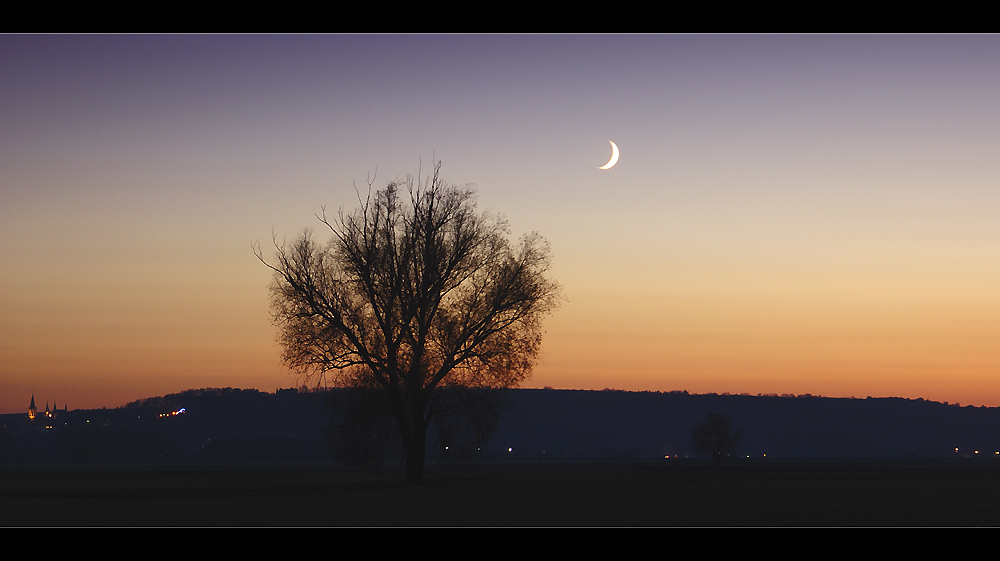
(667, 493)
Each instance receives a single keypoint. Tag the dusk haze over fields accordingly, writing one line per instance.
(788, 214)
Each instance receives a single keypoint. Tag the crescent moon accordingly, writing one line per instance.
(614, 157)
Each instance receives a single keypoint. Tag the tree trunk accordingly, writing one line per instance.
(416, 450)
(415, 462)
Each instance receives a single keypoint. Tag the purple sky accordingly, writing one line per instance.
(790, 214)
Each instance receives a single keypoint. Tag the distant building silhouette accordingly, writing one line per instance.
(49, 414)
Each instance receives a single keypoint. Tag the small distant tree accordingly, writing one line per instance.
(715, 437)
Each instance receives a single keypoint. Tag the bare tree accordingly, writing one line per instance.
(411, 298)
(715, 437)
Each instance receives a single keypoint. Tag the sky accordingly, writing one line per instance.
(789, 214)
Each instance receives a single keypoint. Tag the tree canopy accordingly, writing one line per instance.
(411, 296)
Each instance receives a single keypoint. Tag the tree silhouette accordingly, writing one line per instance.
(362, 431)
(715, 437)
(411, 299)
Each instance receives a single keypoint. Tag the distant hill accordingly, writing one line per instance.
(226, 425)
(249, 426)
(620, 425)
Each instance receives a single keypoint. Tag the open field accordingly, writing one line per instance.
(677, 493)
